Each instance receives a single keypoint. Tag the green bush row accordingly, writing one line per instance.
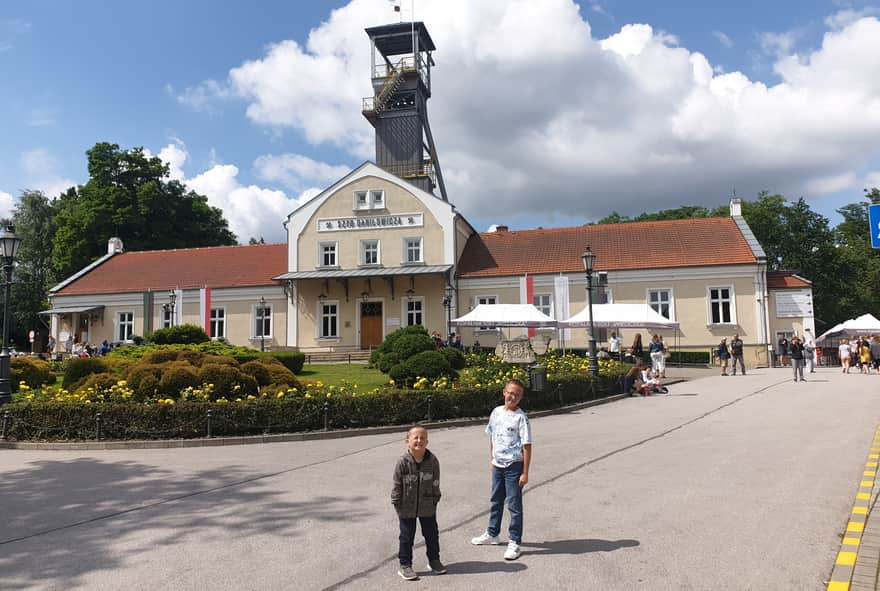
(60, 421)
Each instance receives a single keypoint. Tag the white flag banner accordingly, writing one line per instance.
(560, 304)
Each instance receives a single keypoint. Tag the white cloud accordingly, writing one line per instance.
(40, 171)
(723, 39)
(844, 18)
(872, 179)
(174, 155)
(297, 171)
(7, 203)
(529, 105)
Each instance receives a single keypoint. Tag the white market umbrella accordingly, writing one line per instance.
(864, 325)
(619, 316)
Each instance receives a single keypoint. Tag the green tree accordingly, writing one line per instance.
(678, 213)
(33, 219)
(132, 196)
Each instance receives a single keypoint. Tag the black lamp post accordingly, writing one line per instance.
(262, 324)
(173, 305)
(447, 303)
(589, 259)
(9, 243)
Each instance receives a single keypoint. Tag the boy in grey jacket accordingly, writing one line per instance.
(415, 494)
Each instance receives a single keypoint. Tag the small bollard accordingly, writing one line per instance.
(326, 416)
(430, 398)
(208, 430)
(5, 424)
(98, 426)
(561, 400)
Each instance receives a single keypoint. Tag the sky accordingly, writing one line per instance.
(560, 111)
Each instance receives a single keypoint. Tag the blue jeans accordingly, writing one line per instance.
(505, 485)
(408, 536)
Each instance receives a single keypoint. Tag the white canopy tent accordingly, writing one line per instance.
(492, 315)
(864, 325)
(619, 316)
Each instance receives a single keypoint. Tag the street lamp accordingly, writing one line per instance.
(173, 305)
(589, 260)
(9, 243)
(262, 316)
(447, 303)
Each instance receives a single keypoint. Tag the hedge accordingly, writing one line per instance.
(59, 421)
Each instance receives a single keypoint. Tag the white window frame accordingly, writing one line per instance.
(421, 246)
(167, 314)
(406, 311)
(363, 253)
(320, 316)
(732, 295)
(129, 322)
(361, 205)
(219, 320)
(477, 302)
(321, 251)
(377, 203)
(254, 319)
(550, 311)
(671, 301)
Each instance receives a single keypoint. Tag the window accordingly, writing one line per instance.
(167, 315)
(721, 309)
(377, 199)
(327, 254)
(543, 302)
(414, 312)
(360, 200)
(366, 200)
(660, 300)
(329, 326)
(490, 300)
(218, 323)
(125, 321)
(412, 250)
(369, 252)
(263, 321)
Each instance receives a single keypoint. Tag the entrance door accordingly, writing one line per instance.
(371, 324)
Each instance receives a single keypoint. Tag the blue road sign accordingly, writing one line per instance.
(874, 221)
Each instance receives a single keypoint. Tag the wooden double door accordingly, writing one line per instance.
(371, 324)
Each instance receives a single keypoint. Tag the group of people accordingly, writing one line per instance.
(731, 351)
(861, 353)
(642, 380)
(657, 351)
(415, 491)
(77, 349)
(454, 340)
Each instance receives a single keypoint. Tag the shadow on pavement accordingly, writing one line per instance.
(477, 568)
(576, 546)
(62, 519)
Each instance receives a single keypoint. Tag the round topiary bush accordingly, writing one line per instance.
(176, 378)
(219, 360)
(98, 381)
(182, 334)
(428, 364)
(76, 368)
(278, 374)
(161, 356)
(259, 371)
(33, 372)
(454, 357)
(400, 345)
(144, 381)
(225, 378)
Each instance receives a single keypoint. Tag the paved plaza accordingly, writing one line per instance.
(740, 483)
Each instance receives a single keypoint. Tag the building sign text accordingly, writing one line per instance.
(402, 220)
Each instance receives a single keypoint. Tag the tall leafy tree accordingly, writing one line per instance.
(132, 196)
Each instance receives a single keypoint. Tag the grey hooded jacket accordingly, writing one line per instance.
(416, 489)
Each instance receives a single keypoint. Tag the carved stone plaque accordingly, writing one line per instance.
(540, 344)
(517, 350)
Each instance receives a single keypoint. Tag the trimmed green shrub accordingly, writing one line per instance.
(427, 364)
(292, 360)
(144, 381)
(33, 372)
(454, 357)
(219, 360)
(183, 334)
(176, 378)
(77, 368)
(258, 371)
(278, 374)
(400, 345)
(229, 382)
(161, 356)
(98, 381)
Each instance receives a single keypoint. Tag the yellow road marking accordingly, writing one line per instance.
(851, 541)
(870, 464)
(860, 510)
(863, 496)
(867, 483)
(846, 558)
(855, 526)
(869, 473)
(874, 456)
(838, 586)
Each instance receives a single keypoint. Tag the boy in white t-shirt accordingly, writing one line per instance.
(510, 449)
(843, 351)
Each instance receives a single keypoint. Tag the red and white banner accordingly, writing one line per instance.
(205, 308)
(527, 295)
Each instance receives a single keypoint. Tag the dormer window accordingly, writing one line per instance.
(367, 200)
(377, 199)
(361, 200)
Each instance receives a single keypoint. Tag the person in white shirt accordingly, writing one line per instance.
(844, 353)
(614, 346)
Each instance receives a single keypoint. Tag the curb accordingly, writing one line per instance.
(310, 436)
(856, 565)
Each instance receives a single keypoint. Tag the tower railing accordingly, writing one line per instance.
(413, 171)
(393, 78)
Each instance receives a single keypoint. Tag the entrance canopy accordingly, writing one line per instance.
(72, 310)
(864, 325)
(619, 316)
(493, 315)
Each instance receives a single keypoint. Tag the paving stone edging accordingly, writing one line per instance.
(283, 437)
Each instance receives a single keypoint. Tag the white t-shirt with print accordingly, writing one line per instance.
(509, 431)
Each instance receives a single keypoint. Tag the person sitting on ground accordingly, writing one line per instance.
(603, 354)
(632, 381)
(652, 381)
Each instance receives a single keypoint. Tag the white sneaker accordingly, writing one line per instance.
(485, 538)
(513, 551)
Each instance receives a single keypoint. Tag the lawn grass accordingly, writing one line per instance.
(333, 374)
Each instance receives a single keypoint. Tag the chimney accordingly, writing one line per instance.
(114, 246)
(499, 228)
(736, 207)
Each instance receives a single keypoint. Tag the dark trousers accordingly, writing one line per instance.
(742, 366)
(408, 536)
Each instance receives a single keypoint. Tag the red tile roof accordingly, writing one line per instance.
(186, 268)
(785, 279)
(637, 245)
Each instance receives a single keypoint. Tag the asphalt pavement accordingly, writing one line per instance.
(740, 482)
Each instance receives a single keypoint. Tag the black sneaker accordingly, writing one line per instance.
(437, 567)
(406, 572)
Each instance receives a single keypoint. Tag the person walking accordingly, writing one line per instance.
(782, 349)
(510, 451)
(614, 346)
(736, 354)
(655, 350)
(809, 351)
(723, 355)
(796, 351)
(845, 355)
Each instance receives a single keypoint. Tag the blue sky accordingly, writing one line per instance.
(597, 106)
